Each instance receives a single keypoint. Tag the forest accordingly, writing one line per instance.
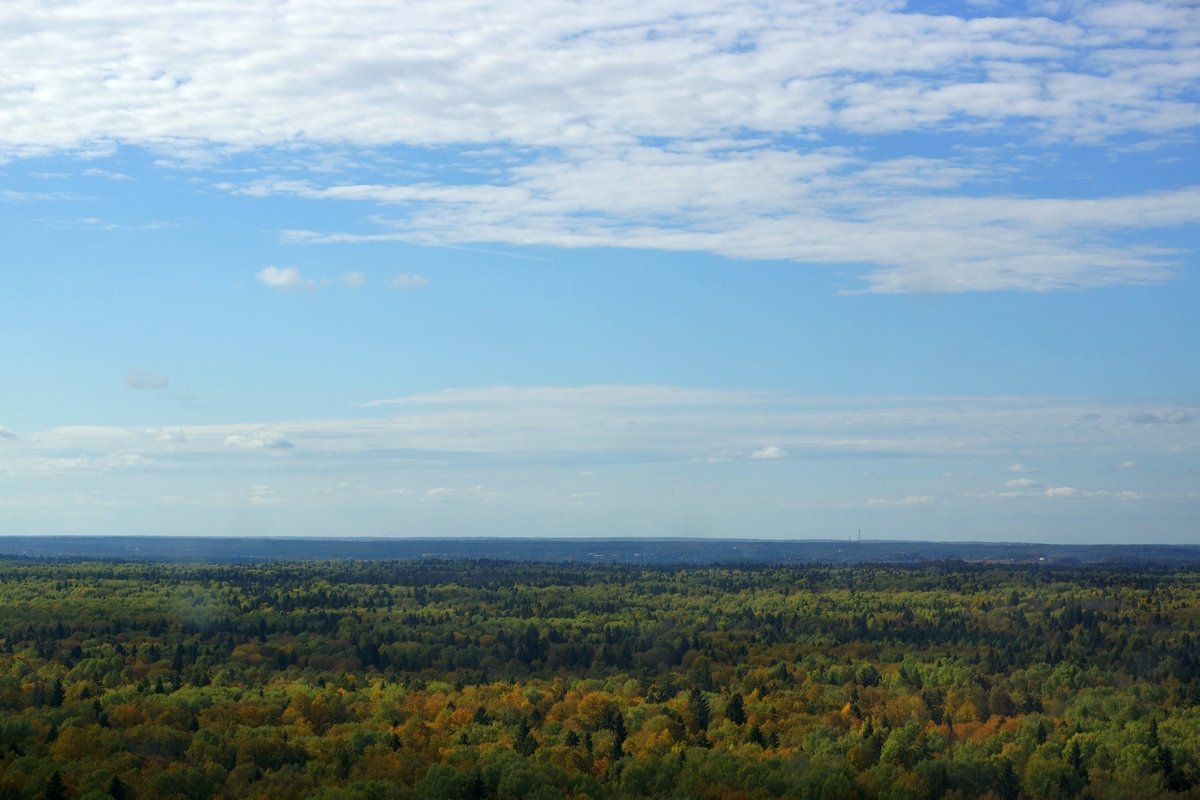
(374, 680)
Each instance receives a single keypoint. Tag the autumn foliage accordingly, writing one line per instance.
(378, 680)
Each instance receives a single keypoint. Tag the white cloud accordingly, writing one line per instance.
(521, 453)
(125, 461)
(263, 495)
(5, 433)
(1019, 467)
(719, 457)
(824, 208)
(1071, 491)
(284, 278)
(111, 175)
(552, 74)
(443, 436)
(406, 281)
(140, 379)
(292, 278)
(169, 436)
(1126, 465)
(14, 196)
(86, 463)
(904, 502)
(770, 452)
(259, 440)
(720, 113)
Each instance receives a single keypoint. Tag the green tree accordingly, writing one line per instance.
(55, 789)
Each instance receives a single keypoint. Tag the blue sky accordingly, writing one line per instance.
(620, 269)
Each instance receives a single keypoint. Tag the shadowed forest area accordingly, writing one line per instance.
(480, 679)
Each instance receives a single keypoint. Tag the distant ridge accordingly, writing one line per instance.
(607, 550)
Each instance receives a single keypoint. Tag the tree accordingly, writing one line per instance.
(735, 709)
(55, 789)
(523, 742)
(698, 715)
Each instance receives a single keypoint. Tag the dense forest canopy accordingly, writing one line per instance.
(477, 679)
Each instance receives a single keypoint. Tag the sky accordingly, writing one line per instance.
(715, 269)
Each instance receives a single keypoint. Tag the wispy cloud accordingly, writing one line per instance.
(639, 423)
(633, 454)
(904, 502)
(1071, 491)
(820, 208)
(96, 172)
(1161, 417)
(751, 130)
(407, 282)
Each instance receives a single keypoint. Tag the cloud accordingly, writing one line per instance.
(96, 172)
(751, 130)
(1021, 483)
(140, 379)
(406, 281)
(260, 440)
(531, 447)
(550, 74)
(125, 461)
(86, 463)
(14, 196)
(904, 502)
(1126, 465)
(284, 278)
(170, 435)
(822, 207)
(5, 433)
(1071, 491)
(770, 452)
(291, 278)
(589, 425)
(263, 495)
(1161, 417)
(719, 457)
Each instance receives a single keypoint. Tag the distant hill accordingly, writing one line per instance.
(615, 550)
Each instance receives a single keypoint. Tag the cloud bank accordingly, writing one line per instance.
(903, 146)
(629, 460)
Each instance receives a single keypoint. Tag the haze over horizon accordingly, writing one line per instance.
(765, 270)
